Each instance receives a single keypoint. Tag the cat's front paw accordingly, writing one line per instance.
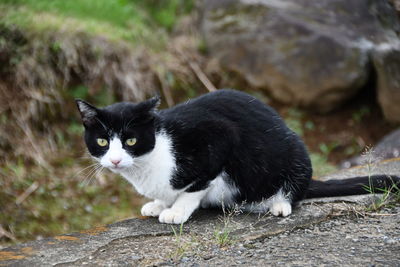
(283, 208)
(175, 216)
(152, 208)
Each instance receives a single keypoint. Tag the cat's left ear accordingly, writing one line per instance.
(152, 104)
(88, 112)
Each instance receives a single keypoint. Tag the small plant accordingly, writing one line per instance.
(389, 196)
(222, 235)
(181, 246)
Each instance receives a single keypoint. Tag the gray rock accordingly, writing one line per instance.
(387, 148)
(314, 54)
(387, 65)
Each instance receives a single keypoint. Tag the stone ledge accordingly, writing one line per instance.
(144, 241)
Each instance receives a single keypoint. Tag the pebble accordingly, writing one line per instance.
(207, 257)
(136, 257)
(390, 241)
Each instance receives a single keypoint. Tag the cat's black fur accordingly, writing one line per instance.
(228, 131)
(232, 131)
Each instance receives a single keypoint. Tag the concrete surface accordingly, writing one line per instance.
(330, 231)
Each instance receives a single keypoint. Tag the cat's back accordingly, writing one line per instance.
(221, 104)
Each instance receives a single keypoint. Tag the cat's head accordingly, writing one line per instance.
(117, 134)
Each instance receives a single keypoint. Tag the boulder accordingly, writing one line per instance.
(387, 65)
(387, 148)
(310, 53)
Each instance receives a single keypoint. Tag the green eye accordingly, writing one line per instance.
(131, 141)
(102, 142)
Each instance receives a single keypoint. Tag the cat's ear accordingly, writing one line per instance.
(88, 112)
(152, 104)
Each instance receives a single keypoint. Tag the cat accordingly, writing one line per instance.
(223, 148)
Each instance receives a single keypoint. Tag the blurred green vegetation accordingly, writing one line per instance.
(130, 20)
(61, 201)
(296, 121)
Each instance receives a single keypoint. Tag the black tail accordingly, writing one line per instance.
(353, 186)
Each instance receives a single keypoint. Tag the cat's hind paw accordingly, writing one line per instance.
(174, 216)
(283, 208)
(153, 208)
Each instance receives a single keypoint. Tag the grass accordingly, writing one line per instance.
(388, 197)
(188, 244)
(47, 16)
(222, 234)
(181, 245)
(133, 21)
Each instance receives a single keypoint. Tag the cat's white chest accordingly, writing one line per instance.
(152, 172)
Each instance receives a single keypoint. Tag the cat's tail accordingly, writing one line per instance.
(353, 186)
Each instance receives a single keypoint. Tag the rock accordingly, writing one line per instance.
(387, 65)
(315, 54)
(388, 147)
(318, 229)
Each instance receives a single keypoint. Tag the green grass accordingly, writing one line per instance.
(134, 21)
(388, 197)
(222, 233)
(181, 245)
(115, 12)
(46, 17)
(223, 236)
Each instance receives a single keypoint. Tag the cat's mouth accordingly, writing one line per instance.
(118, 168)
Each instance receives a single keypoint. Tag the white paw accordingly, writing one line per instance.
(283, 208)
(176, 216)
(152, 209)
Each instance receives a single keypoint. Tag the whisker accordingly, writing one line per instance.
(98, 171)
(90, 174)
(84, 169)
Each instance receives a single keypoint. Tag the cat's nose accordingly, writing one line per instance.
(115, 161)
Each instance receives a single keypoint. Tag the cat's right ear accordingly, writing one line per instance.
(88, 112)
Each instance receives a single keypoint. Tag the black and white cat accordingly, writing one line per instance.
(224, 147)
